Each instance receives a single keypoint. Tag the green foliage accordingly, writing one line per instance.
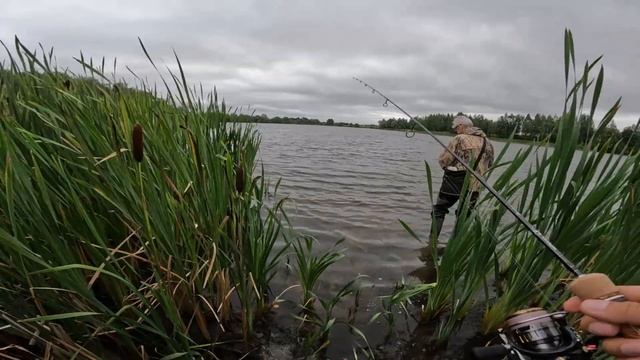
(316, 323)
(106, 255)
(403, 295)
(310, 266)
(581, 200)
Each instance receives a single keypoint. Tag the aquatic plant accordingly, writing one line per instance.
(401, 298)
(575, 197)
(310, 267)
(316, 311)
(316, 323)
(130, 220)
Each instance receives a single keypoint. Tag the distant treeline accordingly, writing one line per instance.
(264, 119)
(526, 127)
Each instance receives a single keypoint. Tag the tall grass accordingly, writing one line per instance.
(580, 199)
(585, 201)
(130, 222)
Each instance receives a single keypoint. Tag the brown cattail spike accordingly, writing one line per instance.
(239, 179)
(138, 143)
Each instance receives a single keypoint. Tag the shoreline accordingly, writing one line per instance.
(375, 127)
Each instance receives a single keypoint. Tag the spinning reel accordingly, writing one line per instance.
(535, 333)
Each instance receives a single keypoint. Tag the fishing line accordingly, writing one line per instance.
(535, 232)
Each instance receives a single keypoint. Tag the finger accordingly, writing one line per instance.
(602, 329)
(572, 305)
(622, 347)
(626, 312)
(587, 323)
(631, 292)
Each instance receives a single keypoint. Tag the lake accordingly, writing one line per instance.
(354, 184)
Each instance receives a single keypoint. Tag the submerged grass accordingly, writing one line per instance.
(130, 224)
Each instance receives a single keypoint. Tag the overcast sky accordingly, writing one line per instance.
(297, 58)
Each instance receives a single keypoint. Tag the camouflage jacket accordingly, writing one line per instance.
(468, 147)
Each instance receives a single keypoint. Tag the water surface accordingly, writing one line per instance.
(354, 184)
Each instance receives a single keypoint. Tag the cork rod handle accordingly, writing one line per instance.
(599, 286)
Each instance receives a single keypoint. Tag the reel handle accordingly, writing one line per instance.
(599, 286)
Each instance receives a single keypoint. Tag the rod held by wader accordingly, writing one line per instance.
(599, 286)
(535, 232)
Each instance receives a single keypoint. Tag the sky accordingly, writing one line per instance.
(298, 58)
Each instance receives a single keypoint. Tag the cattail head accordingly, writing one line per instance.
(239, 179)
(138, 143)
(67, 84)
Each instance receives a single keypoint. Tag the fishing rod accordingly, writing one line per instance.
(571, 267)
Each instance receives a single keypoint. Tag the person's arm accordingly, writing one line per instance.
(604, 318)
(446, 159)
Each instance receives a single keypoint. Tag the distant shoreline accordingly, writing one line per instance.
(376, 127)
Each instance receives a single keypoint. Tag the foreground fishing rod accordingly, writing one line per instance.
(535, 333)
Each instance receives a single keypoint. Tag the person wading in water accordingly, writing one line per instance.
(472, 145)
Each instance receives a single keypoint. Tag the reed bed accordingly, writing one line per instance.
(131, 224)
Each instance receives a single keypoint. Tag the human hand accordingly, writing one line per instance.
(604, 318)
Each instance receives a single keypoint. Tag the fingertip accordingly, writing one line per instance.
(572, 305)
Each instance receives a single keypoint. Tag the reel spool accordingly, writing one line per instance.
(535, 330)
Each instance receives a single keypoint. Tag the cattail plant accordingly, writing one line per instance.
(239, 179)
(138, 143)
(95, 252)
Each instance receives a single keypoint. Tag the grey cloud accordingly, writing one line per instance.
(298, 57)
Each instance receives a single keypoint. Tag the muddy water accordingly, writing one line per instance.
(354, 184)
